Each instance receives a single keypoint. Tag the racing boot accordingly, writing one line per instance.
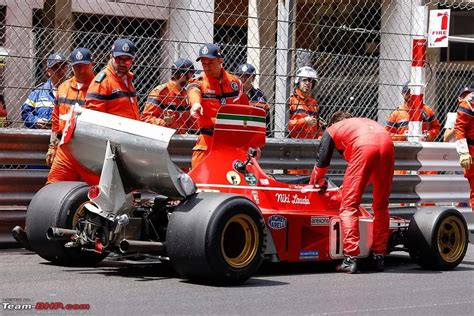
(20, 236)
(378, 262)
(348, 265)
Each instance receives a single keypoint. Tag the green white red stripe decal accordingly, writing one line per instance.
(238, 121)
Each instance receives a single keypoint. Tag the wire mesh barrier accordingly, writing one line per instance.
(361, 51)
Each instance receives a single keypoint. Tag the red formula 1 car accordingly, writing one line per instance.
(217, 223)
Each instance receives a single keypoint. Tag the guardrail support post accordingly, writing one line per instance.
(417, 81)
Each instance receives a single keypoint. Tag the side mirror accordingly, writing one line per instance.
(242, 166)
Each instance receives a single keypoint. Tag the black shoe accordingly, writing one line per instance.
(348, 265)
(378, 262)
(20, 236)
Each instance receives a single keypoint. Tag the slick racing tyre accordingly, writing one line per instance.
(58, 205)
(437, 238)
(216, 238)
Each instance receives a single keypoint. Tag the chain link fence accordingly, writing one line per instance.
(360, 49)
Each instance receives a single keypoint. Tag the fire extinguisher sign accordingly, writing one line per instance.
(438, 30)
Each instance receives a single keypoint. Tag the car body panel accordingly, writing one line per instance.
(304, 223)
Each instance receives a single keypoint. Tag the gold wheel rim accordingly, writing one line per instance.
(451, 239)
(80, 213)
(239, 241)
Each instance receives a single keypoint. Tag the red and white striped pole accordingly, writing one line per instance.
(417, 80)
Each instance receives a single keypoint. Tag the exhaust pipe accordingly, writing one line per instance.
(130, 246)
(55, 233)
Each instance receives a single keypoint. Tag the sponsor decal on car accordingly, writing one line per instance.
(207, 190)
(264, 182)
(277, 222)
(319, 220)
(250, 178)
(233, 177)
(309, 254)
(292, 199)
(255, 196)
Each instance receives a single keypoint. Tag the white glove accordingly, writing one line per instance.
(461, 146)
(424, 136)
(197, 110)
(310, 120)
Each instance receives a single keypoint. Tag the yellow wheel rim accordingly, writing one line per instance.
(240, 241)
(451, 239)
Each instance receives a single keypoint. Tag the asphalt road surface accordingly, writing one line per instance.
(126, 288)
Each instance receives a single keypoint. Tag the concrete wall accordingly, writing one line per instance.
(261, 43)
(190, 23)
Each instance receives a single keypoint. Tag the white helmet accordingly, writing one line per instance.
(305, 72)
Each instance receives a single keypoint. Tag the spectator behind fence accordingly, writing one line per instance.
(464, 133)
(397, 122)
(247, 73)
(207, 93)
(37, 110)
(451, 117)
(167, 104)
(71, 93)
(3, 112)
(112, 90)
(305, 121)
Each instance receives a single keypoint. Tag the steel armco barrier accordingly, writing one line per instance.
(23, 171)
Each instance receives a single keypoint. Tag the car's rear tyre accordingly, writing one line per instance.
(216, 238)
(58, 205)
(437, 238)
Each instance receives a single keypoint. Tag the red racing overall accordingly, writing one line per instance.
(464, 130)
(369, 152)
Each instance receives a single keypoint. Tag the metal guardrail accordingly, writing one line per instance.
(22, 155)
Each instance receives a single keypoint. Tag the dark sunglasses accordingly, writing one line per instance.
(123, 60)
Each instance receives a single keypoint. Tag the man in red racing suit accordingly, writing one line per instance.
(369, 152)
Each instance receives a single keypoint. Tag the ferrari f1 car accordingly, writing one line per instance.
(219, 222)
